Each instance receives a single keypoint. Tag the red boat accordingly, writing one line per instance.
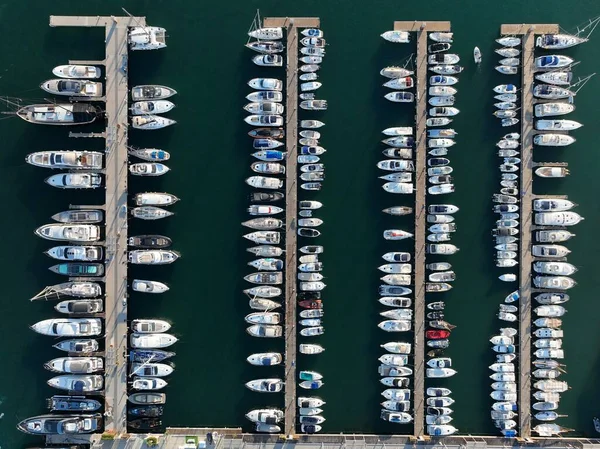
(437, 334)
(311, 304)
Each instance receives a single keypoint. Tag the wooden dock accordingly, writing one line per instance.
(115, 306)
(527, 32)
(421, 28)
(291, 24)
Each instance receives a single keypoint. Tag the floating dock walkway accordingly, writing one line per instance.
(291, 25)
(115, 305)
(421, 28)
(527, 34)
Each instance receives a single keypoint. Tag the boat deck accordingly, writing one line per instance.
(527, 32)
(116, 33)
(421, 28)
(291, 24)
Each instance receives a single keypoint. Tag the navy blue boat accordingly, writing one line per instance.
(61, 403)
(145, 355)
(151, 411)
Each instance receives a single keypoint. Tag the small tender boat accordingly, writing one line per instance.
(151, 107)
(148, 169)
(151, 341)
(401, 37)
(441, 37)
(151, 92)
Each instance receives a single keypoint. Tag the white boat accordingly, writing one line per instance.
(395, 325)
(557, 218)
(310, 86)
(76, 71)
(442, 249)
(151, 341)
(553, 140)
(148, 383)
(394, 359)
(398, 37)
(264, 182)
(509, 41)
(69, 327)
(151, 122)
(395, 72)
(397, 279)
(554, 282)
(507, 97)
(477, 55)
(311, 349)
(266, 84)
(507, 69)
(440, 189)
(76, 253)
(151, 369)
(441, 37)
(150, 326)
(264, 108)
(553, 109)
(441, 80)
(443, 58)
(398, 131)
(312, 32)
(150, 213)
(510, 62)
(75, 180)
(311, 60)
(552, 62)
(151, 107)
(143, 286)
(557, 125)
(152, 256)
(267, 33)
(265, 359)
(78, 382)
(558, 41)
(441, 430)
(443, 112)
(396, 417)
(400, 97)
(441, 101)
(398, 268)
(265, 95)
(150, 154)
(155, 199)
(397, 347)
(440, 143)
(508, 277)
(396, 234)
(151, 92)
(396, 394)
(508, 52)
(444, 69)
(439, 372)
(550, 311)
(398, 187)
(556, 78)
(312, 51)
(549, 92)
(263, 318)
(146, 38)
(400, 83)
(316, 42)
(73, 88)
(268, 60)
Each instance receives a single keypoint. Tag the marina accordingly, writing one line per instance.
(328, 364)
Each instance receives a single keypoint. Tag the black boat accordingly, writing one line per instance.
(260, 197)
(151, 411)
(145, 423)
(308, 232)
(61, 424)
(437, 47)
(150, 241)
(147, 355)
(61, 403)
(309, 295)
(273, 133)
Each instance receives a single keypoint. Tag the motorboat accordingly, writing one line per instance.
(313, 51)
(151, 341)
(396, 234)
(443, 58)
(76, 253)
(554, 323)
(149, 326)
(398, 187)
(59, 114)
(75, 180)
(264, 291)
(152, 257)
(150, 213)
(395, 325)
(507, 97)
(264, 120)
(438, 47)
(556, 78)
(61, 424)
(442, 249)
(316, 42)
(443, 111)
(401, 37)
(311, 349)
(79, 383)
(557, 218)
(150, 369)
(557, 125)
(406, 82)
(552, 204)
(509, 121)
(268, 60)
(553, 109)
(65, 403)
(440, 189)
(554, 282)
(151, 107)
(264, 182)
(553, 236)
(508, 52)
(442, 101)
(78, 269)
(309, 68)
(311, 60)
(441, 80)
(553, 140)
(507, 69)
(399, 141)
(395, 72)
(392, 290)
(314, 105)
(269, 155)
(551, 172)
(149, 355)
(268, 197)
(264, 237)
(266, 96)
(394, 257)
(396, 268)
(266, 385)
(442, 209)
(550, 311)
(510, 62)
(150, 154)
(148, 383)
(263, 210)
(446, 69)
(311, 150)
(265, 331)
(154, 199)
(151, 92)
(263, 223)
(80, 306)
(312, 32)
(265, 47)
(552, 62)
(75, 365)
(148, 169)
(69, 327)
(264, 108)
(441, 37)
(151, 122)
(398, 210)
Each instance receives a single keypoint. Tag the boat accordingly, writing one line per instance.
(554, 282)
(446, 69)
(401, 37)
(265, 385)
(507, 69)
(150, 154)
(268, 33)
(78, 269)
(553, 109)
(75, 365)
(152, 257)
(151, 92)
(148, 169)
(441, 37)
(266, 96)
(509, 41)
(395, 72)
(59, 114)
(477, 55)
(398, 187)
(317, 42)
(264, 120)
(396, 234)
(151, 107)
(66, 159)
(443, 58)
(398, 210)
(151, 341)
(78, 383)
(62, 403)
(552, 62)
(551, 172)
(557, 125)
(440, 189)
(76, 253)
(264, 108)
(78, 346)
(549, 92)
(149, 326)
(265, 47)
(268, 60)
(508, 52)
(553, 140)
(75, 180)
(63, 425)
(69, 327)
(441, 80)
(443, 111)
(314, 105)
(406, 82)
(148, 383)
(148, 369)
(442, 249)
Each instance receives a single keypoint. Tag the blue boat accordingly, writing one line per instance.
(260, 144)
(60, 403)
(147, 355)
(269, 155)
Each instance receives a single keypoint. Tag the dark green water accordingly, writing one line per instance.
(207, 63)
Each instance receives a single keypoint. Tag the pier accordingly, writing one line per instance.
(421, 28)
(116, 171)
(291, 25)
(527, 33)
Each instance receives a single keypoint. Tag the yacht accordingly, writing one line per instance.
(76, 253)
(395, 72)
(151, 341)
(69, 327)
(400, 83)
(398, 37)
(150, 154)
(552, 62)
(553, 140)
(65, 403)
(152, 257)
(266, 95)
(264, 237)
(553, 236)
(61, 424)
(80, 306)
(552, 204)
(146, 38)
(264, 108)
(151, 107)
(443, 58)
(265, 331)
(268, 33)
(266, 385)
(557, 78)
(73, 88)
(264, 182)
(146, 369)
(76, 289)
(549, 92)
(75, 365)
(69, 232)
(554, 282)
(150, 213)
(91, 160)
(76, 71)
(148, 169)
(441, 37)
(264, 120)
(151, 122)
(557, 218)
(557, 125)
(553, 109)
(148, 383)
(75, 180)
(151, 92)
(59, 114)
(155, 199)
(79, 216)
(150, 326)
